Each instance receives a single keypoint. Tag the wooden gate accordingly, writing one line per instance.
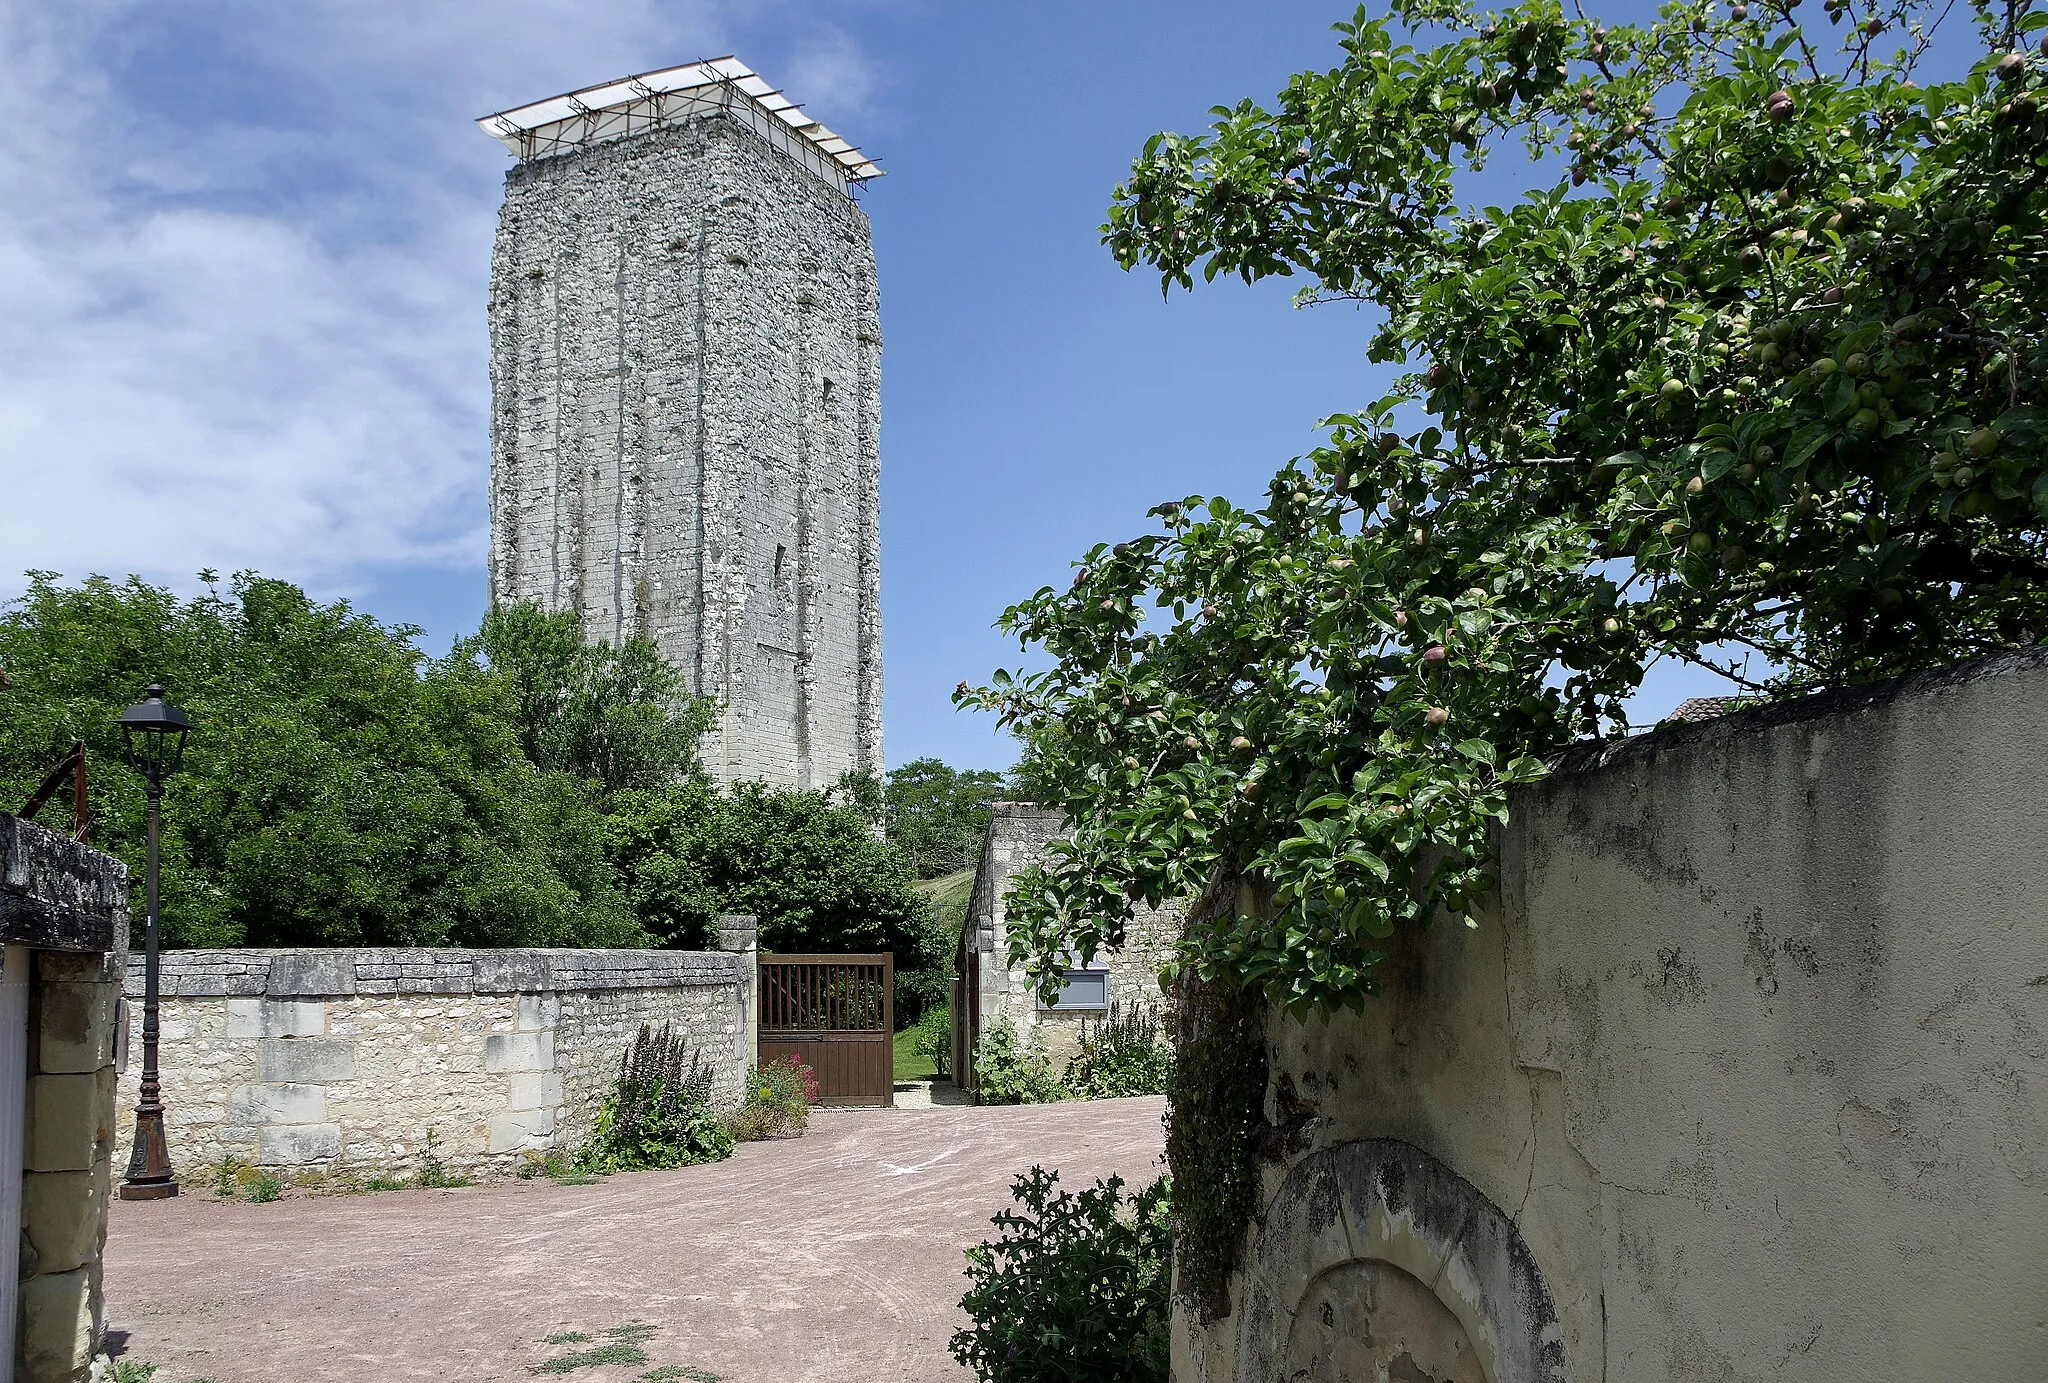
(837, 1015)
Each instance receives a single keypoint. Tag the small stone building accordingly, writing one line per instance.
(989, 989)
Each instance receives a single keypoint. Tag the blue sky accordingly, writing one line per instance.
(243, 274)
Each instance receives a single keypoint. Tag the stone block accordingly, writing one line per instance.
(305, 1060)
(63, 1214)
(76, 967)
(277, 1103)
(530, 1128)
(519, 1051)
(69, 1117)
(60, 1326)
(307, 973)
(291, 1145)
(539, 1012)
(533, 1090)
(276, 1018)
(77, 1026)
(511, 972)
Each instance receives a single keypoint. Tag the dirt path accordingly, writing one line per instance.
(834, 1258)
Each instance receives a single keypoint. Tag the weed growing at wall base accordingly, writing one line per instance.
(1123, 1053)
(779, 1099)
(1012, 1069)
(658, 1113)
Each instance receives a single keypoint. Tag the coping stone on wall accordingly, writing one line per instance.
(315, 973)
(322, 973)
(55, 894)
(1842, 701)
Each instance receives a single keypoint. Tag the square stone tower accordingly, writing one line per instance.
(685, 390)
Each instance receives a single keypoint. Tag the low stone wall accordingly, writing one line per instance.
(348, 1060)
(1745, 1077)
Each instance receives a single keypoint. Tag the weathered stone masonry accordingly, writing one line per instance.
(64, 917)
(330, 1059)
(685, 373)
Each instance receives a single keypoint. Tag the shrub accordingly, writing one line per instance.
(1121, 1054)
(779, 1099)
(918, 992)
(1075, 1288)
(1009, 1069)
(433, 1174)
(658, 1113)
(933, 1040)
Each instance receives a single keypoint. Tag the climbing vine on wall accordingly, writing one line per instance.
(1216, 1116)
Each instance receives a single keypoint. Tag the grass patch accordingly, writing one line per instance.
(911, 1064)
(950, 895)
(593, 1358)
(622, 1346)
(678, 1373)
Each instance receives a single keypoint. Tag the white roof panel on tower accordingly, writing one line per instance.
(652, 100)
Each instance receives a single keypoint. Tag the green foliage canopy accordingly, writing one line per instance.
(937, 814)
(340, 790)
(809, 868)
(614, 717)
(1754, 371)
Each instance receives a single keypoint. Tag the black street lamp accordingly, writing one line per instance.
(155, 731)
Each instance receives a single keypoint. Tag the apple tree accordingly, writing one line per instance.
(1748, 373)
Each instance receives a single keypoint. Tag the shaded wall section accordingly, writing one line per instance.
(1748, 1069)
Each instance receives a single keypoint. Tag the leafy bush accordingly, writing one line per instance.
(1009, 1069)
(779, 1099)
(1074, 1290)
(342, 789)
(934, 1040)
(918, 992)
(808, 867)
(658, 1113)
(1121, 1054)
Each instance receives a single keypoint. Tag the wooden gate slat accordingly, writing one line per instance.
(837, 1015)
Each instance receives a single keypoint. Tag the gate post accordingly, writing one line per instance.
(741, 933)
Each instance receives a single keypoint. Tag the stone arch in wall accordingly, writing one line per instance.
(1375, 1260)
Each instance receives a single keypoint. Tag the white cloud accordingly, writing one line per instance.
(243, 269)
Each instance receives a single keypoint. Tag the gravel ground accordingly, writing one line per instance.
(832, 1258)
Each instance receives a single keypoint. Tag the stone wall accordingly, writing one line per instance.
(1018, 835)
(334, 1060)
(64, 919)
(686, 397)
(1746, 1076)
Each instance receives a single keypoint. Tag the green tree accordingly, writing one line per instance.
(1751, 377)
(616, 717)
(340, 789)
(808, 868)
(937, 815)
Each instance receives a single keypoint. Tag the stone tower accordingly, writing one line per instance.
(685, 391)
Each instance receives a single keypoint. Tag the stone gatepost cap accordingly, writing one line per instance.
(738, 931)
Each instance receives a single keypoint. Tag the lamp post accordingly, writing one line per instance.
(155, 731)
